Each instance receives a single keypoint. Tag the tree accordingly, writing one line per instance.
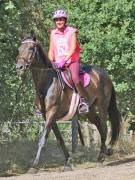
(107, 36)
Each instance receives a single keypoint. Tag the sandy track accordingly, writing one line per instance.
(124, 171)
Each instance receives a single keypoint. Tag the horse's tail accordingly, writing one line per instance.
(115, 118)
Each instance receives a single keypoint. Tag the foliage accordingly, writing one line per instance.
(107, 36)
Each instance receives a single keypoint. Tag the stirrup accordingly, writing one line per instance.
(38, 113)
(83, 107)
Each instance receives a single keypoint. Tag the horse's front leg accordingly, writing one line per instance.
(41, 144)
(50, 114)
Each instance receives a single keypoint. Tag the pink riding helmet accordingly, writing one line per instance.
(59, 14)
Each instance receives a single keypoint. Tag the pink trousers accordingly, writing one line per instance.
(75, 69)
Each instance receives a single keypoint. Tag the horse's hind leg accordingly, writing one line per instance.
(101, 125)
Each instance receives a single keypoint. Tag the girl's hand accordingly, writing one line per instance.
(61, 64)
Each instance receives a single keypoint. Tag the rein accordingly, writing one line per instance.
(58, 74)
(44, 69)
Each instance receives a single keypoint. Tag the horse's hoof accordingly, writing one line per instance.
(109, 152)
(99, 164)
(101, 157)
(68, 168)
(32, 171)
(68, 165)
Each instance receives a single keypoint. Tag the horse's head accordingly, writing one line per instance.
(27, 52)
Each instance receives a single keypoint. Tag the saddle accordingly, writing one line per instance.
(66, 77)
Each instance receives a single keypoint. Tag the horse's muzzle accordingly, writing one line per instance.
(20, 68)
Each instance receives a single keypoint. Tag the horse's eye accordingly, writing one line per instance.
(31, 48)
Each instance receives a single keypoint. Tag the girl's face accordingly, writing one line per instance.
(60, 23)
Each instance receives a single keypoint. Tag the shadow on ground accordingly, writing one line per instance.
(123, 160)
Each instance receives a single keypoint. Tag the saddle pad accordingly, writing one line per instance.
(85, 79)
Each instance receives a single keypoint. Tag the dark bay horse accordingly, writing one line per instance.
(52, 98)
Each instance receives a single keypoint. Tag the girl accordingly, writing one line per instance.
(65, 51)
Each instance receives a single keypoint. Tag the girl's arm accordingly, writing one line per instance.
(73, 46)
(50, 52)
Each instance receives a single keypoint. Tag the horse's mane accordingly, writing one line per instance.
(44, 56)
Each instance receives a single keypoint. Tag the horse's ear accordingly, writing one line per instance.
(34, 38)
(33, 35)
(32, 32)
(21, 36)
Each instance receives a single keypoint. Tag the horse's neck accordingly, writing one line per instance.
(40, 77)
(41, 60)
(42, 71)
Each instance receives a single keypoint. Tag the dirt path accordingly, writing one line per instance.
(52, 164)
(124, 171)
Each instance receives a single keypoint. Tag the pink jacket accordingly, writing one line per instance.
(61, 45)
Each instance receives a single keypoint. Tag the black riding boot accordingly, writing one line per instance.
(83, 105)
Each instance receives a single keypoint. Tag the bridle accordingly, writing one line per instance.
(34, 51)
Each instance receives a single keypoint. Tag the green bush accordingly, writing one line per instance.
(107, 36)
